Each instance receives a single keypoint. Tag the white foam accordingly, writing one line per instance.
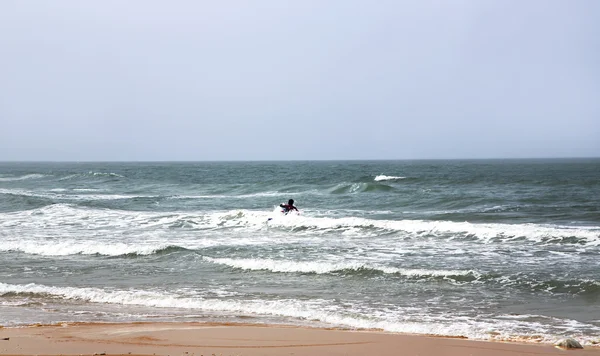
(83, 247)
(329, 267)
(384, 177)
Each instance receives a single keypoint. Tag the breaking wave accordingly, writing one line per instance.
(329, 267)
(352, 315)
(384, 177)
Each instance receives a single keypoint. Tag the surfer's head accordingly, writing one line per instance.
(291, 202)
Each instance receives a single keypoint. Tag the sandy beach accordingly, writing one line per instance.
(247, 340)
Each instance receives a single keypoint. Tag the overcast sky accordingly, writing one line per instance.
(278, 80)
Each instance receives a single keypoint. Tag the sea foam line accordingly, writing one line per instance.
(329, 267)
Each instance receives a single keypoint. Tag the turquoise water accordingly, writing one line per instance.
(498, 249)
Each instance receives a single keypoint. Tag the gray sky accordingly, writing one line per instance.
(323, 79)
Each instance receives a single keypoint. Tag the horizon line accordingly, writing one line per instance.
(301, 160)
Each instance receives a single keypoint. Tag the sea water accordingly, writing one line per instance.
(485, 249)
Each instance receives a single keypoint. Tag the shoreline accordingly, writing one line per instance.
(224, 339)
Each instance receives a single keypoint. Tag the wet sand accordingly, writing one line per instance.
(247, 340)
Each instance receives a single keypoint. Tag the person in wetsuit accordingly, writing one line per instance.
(289, 206)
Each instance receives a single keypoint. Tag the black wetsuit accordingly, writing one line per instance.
(287, 208)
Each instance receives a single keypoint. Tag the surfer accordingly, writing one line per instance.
(289, 206)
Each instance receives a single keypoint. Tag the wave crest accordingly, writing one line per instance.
(83, 247)
(92, 174)
(383, 177)
(331, 267)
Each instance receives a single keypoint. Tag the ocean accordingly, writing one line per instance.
(484, 249)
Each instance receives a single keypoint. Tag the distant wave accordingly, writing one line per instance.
(61, 194)
(27, 176)
(231, 196)
(64, 194)
(352, 188)
(488, 213)
(92, 174)
(105, 174)
(384, 177)
(20, 192)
